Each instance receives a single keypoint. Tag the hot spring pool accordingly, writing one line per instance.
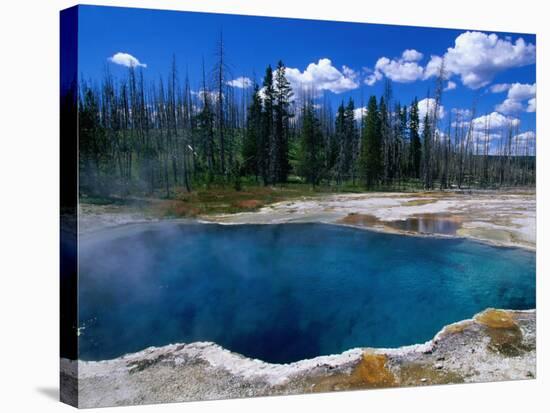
(285, 292)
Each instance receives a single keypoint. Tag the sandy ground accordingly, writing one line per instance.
(500, 218)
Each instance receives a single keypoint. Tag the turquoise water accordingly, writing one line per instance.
(286, 292)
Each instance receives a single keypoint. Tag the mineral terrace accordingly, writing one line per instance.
(494, 345)
(500, 218)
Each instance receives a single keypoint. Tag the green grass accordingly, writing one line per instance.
(220, 198)
(223, 199)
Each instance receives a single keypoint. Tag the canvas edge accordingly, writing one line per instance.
(68, 238)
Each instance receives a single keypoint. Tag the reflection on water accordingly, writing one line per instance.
(429, 224)
(444, 224)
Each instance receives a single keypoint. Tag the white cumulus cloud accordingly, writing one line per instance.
(531, 105)
(526, 136)
(477, 57)
(500, 87)
(433, 68)
(494, 121)
(398, 70)
(241, 82)
(490, 131)
(349, 72)
(126, 59)
(322, 76)
(212, 95)
(509, 106)
(522, 91)
(524, 143)
(358, 113)
(461, 113)
(428, 104)
(450, 85)
(373, 77)
(518, 93)
(411, 55)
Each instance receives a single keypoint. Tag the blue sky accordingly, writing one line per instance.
(494, 69)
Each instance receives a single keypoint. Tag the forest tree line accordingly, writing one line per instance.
(158, 137)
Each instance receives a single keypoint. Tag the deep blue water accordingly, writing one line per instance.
(282, 293)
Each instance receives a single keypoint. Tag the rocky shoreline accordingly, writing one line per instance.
(494, 345)
(498, 218)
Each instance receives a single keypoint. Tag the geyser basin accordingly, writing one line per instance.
(282, 293)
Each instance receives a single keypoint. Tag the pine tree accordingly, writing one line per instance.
(346, 136)
(400, 138)
(385, 140)
(267, 153)
(252, 139)
(310, 156)
(219, 71)
(340, 138)
(416, 146)
(350, 136)
(426, 139)
(371, 156)
(283, 95)
(206, 128)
